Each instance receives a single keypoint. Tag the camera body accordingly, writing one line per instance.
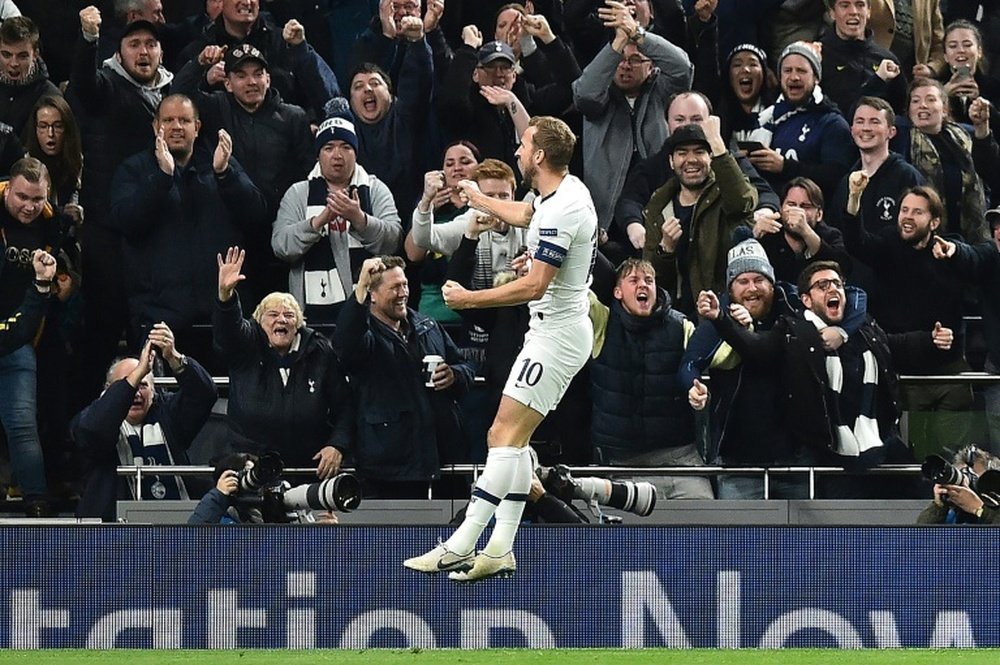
(940, 471)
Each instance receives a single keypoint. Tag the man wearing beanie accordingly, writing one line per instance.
(328, 225)
(840, 392)
(689, 221)
(804, 133)
(854, 65)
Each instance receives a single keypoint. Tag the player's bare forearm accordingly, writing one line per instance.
(515, 213)
(530, 287)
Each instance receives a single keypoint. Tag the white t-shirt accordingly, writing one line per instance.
(563, 233)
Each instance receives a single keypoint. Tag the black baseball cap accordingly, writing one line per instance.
(495, 50)
(687, 135)
(237, 55)
(136, 26)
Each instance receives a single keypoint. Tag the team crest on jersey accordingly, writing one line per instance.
(805, 131)
(885, 206)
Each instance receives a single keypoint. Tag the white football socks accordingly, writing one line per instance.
(502, 466)
(508, 513)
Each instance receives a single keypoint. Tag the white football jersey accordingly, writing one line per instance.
(563, 233)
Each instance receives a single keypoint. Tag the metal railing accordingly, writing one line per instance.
(138, 471)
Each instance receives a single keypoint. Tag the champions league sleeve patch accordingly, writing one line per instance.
(551, 254)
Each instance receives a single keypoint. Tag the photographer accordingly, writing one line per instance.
(132, 424)
(958, 501)
(249, 490)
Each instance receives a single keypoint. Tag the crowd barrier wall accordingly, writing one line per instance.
(304, 587)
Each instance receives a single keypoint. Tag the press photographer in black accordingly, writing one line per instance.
(965, 490)
(249, 490)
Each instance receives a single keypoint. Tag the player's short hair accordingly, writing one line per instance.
(389, 262)
(18, 29)
(279, 299)
(494, 169)
(555, 138)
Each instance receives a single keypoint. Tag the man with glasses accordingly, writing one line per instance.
(799, 235)
(842, 403)
(623, 95)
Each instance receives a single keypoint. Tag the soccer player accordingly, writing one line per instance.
(562, 235)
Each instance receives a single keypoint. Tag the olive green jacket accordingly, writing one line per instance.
(726, 203)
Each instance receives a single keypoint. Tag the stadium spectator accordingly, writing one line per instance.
(640, 415)
(439, 203)
(963, 78)
(271, 139)
(899, 261)
(941, 150)
(287, 392)
(53, 137)
(854, 64)
(979, 267)
(589, 34)
(914, 31)
(404, 427)
(959, 503)
(689, 222)
(23, 76)
(803, 133)
(842, 404)
(327, 225)
(387, 38)
(472, 101)
(17, 382)
(27, 223)
(623, 95)
(748, 88)
(872, 128)
(133, 424)
(296, 70)
(177, 207)
(653, 172)
(118, 100)
(391, 128)
(799, 235)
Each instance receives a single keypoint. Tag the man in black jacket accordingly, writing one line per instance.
(843, 402)
(130, 424)
(271, 139)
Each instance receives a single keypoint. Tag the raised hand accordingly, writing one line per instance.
(230, 271)
(708, 305)
(740, 314)
(765, 222)
(943, 249)
(90, 21)
(211, 54)
(164, 158)
(387, 19)
(472, 37)
(672, 233)
(293, 33)
(44, 265)
(223, 151)
(454, 295)
(942, 337)
(433, 14)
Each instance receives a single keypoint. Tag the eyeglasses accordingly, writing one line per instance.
(825, 284)
(55, 127)
(636, 60)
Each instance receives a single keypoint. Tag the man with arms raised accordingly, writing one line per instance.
(562, 235)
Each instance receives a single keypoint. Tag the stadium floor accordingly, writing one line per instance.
(511, 656)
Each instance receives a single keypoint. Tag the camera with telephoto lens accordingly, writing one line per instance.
(633, 497)
(260, 486)
(940, 471)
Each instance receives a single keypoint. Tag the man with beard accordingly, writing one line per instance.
(799, 234)
(639, 416)
(177, 208)
(804, 133)
(913, 291)
(841, 404)
(23, 77)
(562, 233)
(406, 419)
(690, 220)
(117, 100)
